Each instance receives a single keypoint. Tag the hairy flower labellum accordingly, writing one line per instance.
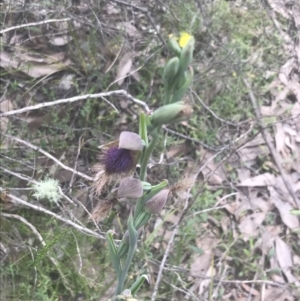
(118, 159)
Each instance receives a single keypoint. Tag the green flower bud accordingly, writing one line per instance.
(177, 96)
(169, 75)
(157, 202)
(186, 55)
(173, 45)
(171, 113)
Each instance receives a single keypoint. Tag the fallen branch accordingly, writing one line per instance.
(33, 24)
(76, 98)
(49, 156)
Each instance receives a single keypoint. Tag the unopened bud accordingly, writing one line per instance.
(130, 188)
(171, 113)
(173, 45)
(157, 202)
(130, 141)
(186, 55)
(178, 94)
(169, 75)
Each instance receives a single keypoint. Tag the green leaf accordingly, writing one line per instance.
(113, 253)
(143, 128)
(138, 283)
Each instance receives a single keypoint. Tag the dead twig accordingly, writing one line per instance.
(77, 98)
(49, 156)
(268, 139)
(33, 24)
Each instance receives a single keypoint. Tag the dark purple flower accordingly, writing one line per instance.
(118, 159)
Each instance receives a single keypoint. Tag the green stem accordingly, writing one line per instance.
(133, 238)
(147, 154)
(126, 267)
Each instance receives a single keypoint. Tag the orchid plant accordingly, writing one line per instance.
(119, 159)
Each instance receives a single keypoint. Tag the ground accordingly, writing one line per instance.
(74, 74)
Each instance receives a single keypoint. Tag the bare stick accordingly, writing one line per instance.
(20, 176)
(34, 24)
(268, 140)
(49, 156)
(17, 200)
(76, 98)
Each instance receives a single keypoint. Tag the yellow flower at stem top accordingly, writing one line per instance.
(184, 38)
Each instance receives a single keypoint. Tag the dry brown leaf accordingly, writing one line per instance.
(286, 70)
(276, 294)
(265, 179)
(262, 204)
(280, 140)
(284, 257)
(212, 171)
(249, 226)
(6, 105)
(130, 29)
(40, 57)
(243, 174)
(266, 241)
(200, 265)
(284, 208)
(202, 268)
(135, 74)
(124, 68)
(204, 284)
(34, 70)
(42, 70)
